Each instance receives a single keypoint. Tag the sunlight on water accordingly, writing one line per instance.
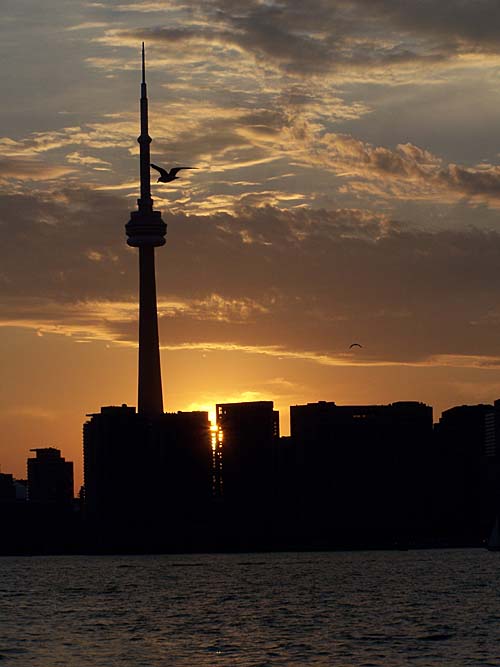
(428, 608)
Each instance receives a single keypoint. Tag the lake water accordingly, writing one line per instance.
(359, 609)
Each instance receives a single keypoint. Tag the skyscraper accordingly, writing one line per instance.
(146, 231)
(147, 479)
(491, 464)
(361, 468)
(463, 483)
(249, 433)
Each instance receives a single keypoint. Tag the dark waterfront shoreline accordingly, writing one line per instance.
(302, 549)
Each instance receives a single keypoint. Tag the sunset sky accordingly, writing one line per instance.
(348, 190)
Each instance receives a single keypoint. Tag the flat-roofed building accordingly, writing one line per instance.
(50, 477)
(148, 480)
(248, 433)
(360, 467)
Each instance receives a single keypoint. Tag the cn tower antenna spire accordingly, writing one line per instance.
(146, 230)
(143, 65)
(145, 202)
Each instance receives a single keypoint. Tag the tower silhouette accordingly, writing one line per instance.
(146, 230)
(147, 474)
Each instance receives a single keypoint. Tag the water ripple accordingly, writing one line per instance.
(371, 609)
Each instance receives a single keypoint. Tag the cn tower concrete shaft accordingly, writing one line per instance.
(150, 395)
(146, 230)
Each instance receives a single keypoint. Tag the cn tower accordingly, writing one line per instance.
(146, 230)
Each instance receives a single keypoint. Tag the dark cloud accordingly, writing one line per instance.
(299, 280)
(473, 182)
(51, 240)
(320, 36)
(475, 22)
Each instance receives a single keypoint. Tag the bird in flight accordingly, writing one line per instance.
(354, 345)
(167, 176)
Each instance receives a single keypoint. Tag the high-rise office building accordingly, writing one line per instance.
(492, 431)
(491, 466)
(147, 480)
(248, 433)
(50, 477)
(359, 468)
(115, 451)
(462, 450)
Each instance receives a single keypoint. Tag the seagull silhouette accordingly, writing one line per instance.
(355, 345)
(167, 176)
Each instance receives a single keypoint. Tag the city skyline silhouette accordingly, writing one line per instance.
(315, 218)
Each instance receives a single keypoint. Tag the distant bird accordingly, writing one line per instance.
(167, 176)
(355, 345)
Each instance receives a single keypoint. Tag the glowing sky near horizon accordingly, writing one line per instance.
(348, 190)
